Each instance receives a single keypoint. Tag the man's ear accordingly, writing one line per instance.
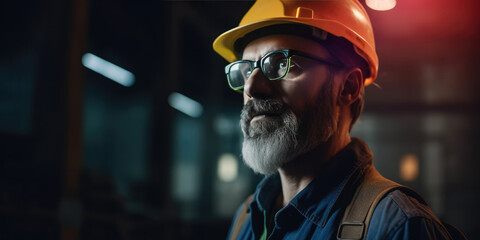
(352, 85)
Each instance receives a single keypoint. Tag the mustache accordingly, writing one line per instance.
(257, 107)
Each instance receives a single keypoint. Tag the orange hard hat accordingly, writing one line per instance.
(342, 18)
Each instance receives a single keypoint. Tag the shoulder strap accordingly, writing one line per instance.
(358, 213)
(241, 218)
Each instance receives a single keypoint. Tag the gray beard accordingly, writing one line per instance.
(272, 142)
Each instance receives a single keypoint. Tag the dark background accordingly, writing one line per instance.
(82, 157)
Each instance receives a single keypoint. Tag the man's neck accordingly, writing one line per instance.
(297, 174)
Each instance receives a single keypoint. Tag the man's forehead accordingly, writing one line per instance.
(261, 46)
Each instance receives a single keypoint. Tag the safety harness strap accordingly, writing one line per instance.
(358, 213)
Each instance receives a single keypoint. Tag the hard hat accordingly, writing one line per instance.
(342, 18)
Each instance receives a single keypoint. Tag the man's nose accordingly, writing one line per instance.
(258, 86)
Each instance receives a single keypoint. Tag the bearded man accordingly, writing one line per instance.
(302, 67)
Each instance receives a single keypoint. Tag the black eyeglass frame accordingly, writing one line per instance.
(289, 53)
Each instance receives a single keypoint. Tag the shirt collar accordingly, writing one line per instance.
(317, 201)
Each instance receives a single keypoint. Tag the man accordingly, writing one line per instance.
(302, 67)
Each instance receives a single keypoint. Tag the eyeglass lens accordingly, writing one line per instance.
(274, 66)
(239, 72)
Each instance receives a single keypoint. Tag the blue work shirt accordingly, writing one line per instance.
(316, 212)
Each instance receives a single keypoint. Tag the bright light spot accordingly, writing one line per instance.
(360, 16)
(227, 169)
(185, 104)
(108, 69)
(409, 167)
(381, 5)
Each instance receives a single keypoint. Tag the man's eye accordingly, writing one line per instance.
(293, 71)
(283, 65)
(293, 67)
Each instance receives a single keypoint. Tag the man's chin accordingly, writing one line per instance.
(266, 156)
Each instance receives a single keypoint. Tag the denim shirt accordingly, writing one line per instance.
(316, 212)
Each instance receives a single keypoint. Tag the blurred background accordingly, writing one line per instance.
(116, 121)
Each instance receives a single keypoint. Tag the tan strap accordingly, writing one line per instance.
(358, 213)
(241, 218)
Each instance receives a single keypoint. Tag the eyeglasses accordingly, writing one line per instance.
(274, 65)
